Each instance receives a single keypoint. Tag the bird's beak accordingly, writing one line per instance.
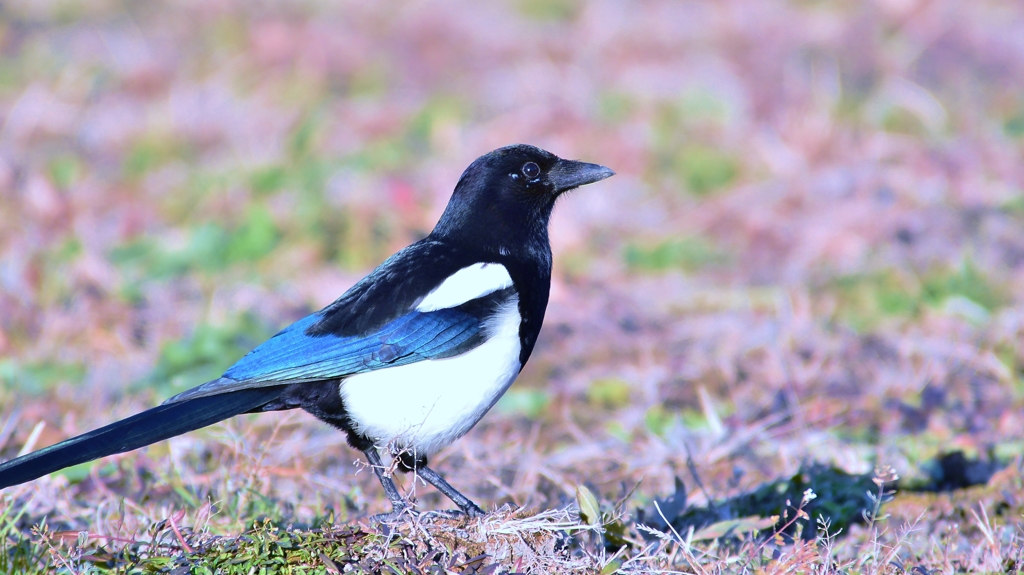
(569, 174)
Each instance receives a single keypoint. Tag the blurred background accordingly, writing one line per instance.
(813, 249)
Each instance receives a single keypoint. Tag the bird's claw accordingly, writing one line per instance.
(452, 514)
(398, 514)
(473, 511)
(405, 512)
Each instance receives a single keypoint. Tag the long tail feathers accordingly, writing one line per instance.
(139, 430)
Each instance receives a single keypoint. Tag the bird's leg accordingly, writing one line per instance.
(398, 503)
(432, 477)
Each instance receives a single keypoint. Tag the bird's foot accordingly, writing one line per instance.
(472, 510)
(407, 512)
(472, 513)
(398, 514)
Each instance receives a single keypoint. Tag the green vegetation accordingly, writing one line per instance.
(210, 248)
(688, 254)
(65, 170)
(151, 153)
(549, 10)
(609, 393)
(38, 378)
(864, 301)
(839, 500)
(530, 403)
(205, 354)
(704, 170)
(1014, 125)
(615, 107)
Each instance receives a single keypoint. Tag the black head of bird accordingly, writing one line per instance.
(507, 195)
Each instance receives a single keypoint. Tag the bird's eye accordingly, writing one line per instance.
(531, 170)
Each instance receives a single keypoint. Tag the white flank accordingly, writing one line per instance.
(425, 406)
(465, 285)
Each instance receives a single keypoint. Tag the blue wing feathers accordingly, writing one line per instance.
(452, 336)
(294, 355)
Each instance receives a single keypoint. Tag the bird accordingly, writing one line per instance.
(411, 357)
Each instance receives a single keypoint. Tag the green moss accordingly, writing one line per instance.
(609, 393)
(689, 254)
(902, 121)
(530, 403)
(705, 170)
(865, 300)
(37, 378)
(369, 81)
(150, 153)
(254, 239)
(658, 420)
(703, 107)
(302, 141)
(684, 132)
(548, 10)
(1014, 125)
(205, 354)
(268, 179)
(65, 170)
(437, 113)
(842, 499)
(966, 281)
(615, 107)
(210, 248)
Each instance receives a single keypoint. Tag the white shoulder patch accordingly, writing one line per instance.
(465, 285)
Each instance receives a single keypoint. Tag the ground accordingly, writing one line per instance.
(784, 338)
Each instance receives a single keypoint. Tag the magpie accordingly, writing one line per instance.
(412, 356)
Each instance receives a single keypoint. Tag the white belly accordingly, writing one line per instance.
(424, 406)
